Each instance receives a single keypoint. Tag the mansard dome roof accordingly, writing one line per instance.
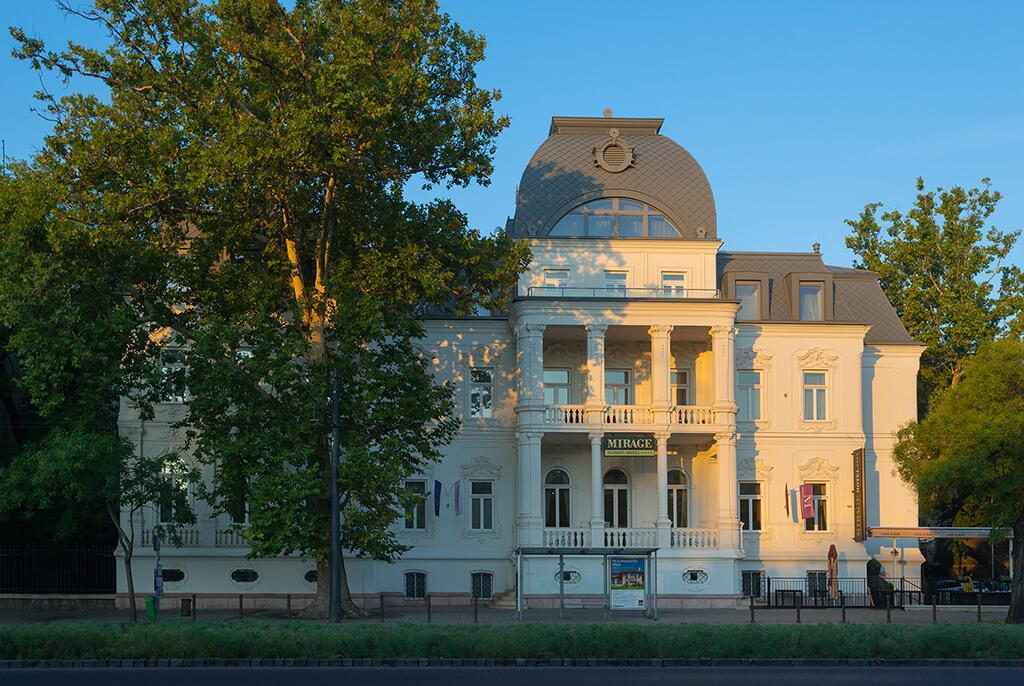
(585, 158)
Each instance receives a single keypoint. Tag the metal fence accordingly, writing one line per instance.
(43, 570)
(811, 592)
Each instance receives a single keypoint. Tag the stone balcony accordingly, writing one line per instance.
(695, 418)
(680, 538)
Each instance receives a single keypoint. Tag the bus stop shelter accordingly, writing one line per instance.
(649, 555)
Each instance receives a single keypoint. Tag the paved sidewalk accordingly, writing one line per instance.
(449, 616)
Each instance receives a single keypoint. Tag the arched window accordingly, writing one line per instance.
(615, 218)
(616, 499)
(678, 498)
(556, 499)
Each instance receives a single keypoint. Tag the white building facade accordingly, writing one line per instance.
(749, 374)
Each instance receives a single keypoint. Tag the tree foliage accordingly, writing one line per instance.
(946, 273)
(241, 198)
(966, 458)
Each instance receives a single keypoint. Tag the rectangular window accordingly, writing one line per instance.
(482, 585)
(673, 284)
(681, 387)
(749, 295)
(172, 377)
(820, 520)
(555, 280)
(615, 282)
(415, 585)
(812, 301)
(167, 508)
(481, 392)
(556, 386)
(817, 582)
(616, 387)
(752, 583)
(750, 505)
(748, 395)
(482, 505)
(815, 398)
(416, 516)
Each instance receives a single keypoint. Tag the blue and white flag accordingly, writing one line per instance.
(437, 498)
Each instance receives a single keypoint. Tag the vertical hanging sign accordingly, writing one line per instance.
(860, 522)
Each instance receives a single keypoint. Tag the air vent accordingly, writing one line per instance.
(310, 576)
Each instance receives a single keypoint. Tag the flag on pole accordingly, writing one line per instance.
(458, 497)
(787, 499)
(437, 498)
(807, 501)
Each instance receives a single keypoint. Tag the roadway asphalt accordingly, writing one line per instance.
(517, 676)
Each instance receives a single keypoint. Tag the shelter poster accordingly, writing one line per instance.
(627, 582)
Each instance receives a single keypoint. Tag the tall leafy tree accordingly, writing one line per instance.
(945, 270)
(966, 458)
(241, 199)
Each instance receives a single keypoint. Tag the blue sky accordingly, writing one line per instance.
(799, 112)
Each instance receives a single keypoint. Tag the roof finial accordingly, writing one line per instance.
(817, 248)
(607, 113)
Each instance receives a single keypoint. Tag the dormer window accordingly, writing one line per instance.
(812, 301)
(749, 295)
(615, 218)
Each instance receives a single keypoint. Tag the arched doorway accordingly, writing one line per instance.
(616, 499)
(678, 498)
(556, 499)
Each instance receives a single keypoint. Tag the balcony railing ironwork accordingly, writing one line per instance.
(612, 292)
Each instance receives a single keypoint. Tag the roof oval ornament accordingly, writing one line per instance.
(614, 155)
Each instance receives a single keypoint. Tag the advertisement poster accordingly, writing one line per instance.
(626, 583)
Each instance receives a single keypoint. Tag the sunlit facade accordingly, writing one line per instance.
(749, 374)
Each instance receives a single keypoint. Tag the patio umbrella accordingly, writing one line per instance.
(833, 571)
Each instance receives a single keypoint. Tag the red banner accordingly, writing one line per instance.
(807, 501)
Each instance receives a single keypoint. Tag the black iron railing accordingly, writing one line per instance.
(45, 570)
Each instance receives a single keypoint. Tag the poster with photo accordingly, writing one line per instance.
(627, 582)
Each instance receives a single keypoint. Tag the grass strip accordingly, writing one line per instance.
(96, 640)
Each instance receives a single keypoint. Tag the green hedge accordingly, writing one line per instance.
(85, 640)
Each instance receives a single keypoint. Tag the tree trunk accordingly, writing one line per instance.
(1016, 613)
(131, 584)
(321, 606)
(127, 544)
(349, 608)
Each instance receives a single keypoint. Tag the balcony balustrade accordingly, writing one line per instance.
(695, 539)
(567, 538)
(629, 415)
(681, 539)
(205, 534)
(620, 292)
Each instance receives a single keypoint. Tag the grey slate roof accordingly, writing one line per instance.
(858, 297)
(562, 175)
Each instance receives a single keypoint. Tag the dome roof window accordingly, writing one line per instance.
(615, 218)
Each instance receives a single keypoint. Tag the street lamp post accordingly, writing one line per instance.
(335, 510)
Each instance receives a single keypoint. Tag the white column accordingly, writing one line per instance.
(723, 352)
(728, 496)
(596, 492)
(595, 373)
(530, 517)
(661, 364)
(530, 358)
(662, 521)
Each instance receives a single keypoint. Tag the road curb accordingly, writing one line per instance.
(186, 663)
